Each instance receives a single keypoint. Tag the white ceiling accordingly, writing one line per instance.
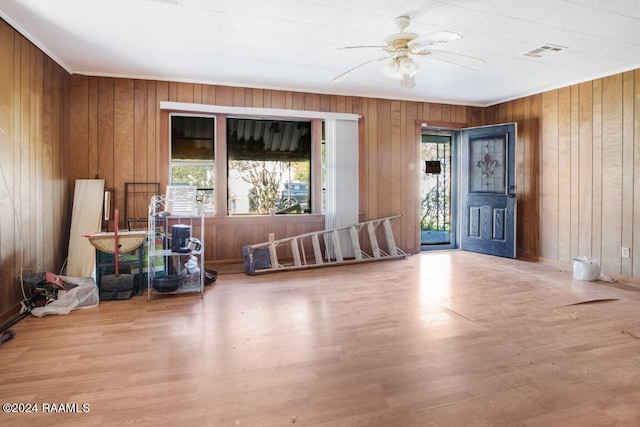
(292, 44)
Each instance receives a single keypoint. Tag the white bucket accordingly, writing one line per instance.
(585, 269)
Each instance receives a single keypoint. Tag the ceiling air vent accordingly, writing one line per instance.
(544, 50)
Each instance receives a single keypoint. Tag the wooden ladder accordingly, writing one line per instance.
(336, 246)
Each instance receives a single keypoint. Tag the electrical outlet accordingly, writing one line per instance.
(271, 237)
(626, 252)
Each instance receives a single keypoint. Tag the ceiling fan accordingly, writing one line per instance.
(403, 47)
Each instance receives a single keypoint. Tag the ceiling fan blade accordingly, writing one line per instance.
(343, 75)
(361, 47)
(456, 58)
(433, 38)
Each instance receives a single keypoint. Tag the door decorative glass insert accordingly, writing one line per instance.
(488, 159)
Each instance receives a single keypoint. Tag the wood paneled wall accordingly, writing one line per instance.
(120, 134)
(578, 160)
(579, 171)
(34, 208)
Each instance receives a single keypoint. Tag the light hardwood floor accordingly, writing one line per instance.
(438, 339)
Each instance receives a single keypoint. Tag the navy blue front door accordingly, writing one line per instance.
(488, 196)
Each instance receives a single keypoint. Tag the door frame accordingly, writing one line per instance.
(454, 241)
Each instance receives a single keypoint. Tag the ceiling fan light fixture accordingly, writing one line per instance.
(408, 66)
(407, 82)
(391, 69)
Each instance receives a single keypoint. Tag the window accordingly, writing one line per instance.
(267, 159)
(269, 166)
(192, 155)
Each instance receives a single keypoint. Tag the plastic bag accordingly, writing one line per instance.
(84, 294)
(586, 269)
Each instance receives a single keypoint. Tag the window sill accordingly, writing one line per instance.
(248, 218)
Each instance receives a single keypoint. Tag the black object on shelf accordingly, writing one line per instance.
(180, 235)
(167, 283)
